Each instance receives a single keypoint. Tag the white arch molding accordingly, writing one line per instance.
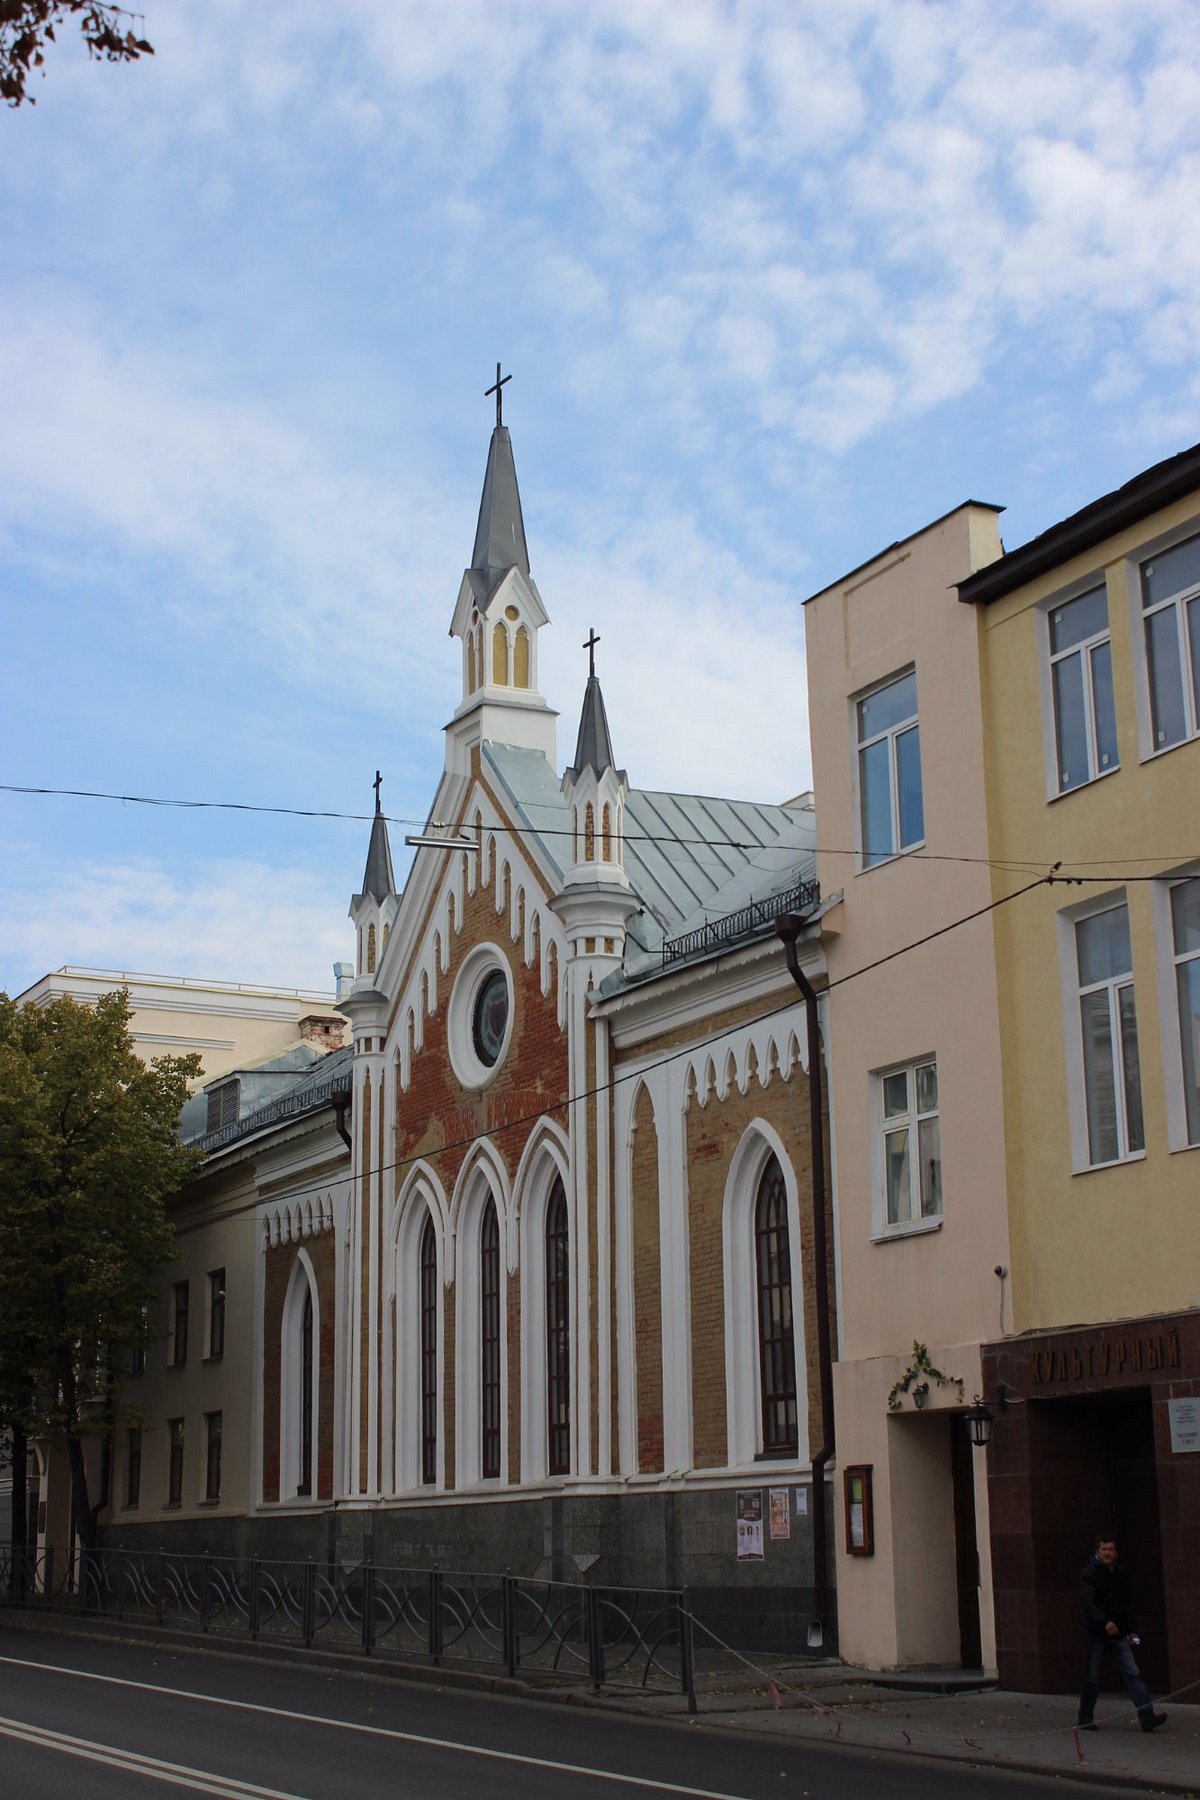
(743, 1389)
(420, 1199)
(481, 1183)
(301, 1284)
(546, 1159)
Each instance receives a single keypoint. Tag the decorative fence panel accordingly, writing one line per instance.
(553, 1630)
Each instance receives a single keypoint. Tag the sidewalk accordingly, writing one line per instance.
(987, 1728)
(824, 1703)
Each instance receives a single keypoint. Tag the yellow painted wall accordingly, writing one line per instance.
(1087, 1244)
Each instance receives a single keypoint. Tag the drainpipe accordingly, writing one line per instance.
(341, 1106)
(788, 927)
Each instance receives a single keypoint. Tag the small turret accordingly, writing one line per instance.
(374, 910)
(596, 791)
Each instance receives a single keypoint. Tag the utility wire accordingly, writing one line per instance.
(1005, 865)
(604, 1087)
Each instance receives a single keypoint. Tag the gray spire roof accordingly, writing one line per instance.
(593, 749)
(500, 533)
(378, 880)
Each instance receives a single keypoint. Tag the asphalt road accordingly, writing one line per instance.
(116, 1721)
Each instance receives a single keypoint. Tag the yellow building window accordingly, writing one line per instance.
(521, 659)
(370, 949)
(500, 655)
(589, 834)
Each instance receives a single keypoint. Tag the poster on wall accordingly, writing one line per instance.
(1185, 1425)
(749, 1525)
(781, 1520)
(801, 1502)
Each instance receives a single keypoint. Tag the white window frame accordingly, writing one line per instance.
(482, 1181)
(1074, 992)
(533, 1201)
(302, 1281)
(1084, 650)
(415, 1207)
(1169, 961)
(743, 1373)
(910, 1122)
(890, 736)
(1179, 603)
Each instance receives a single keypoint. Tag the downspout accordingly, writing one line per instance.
(788, 927)
(341, 1106)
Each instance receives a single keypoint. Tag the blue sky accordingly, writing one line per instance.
(778, 282)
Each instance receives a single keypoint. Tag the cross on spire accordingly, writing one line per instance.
(589, 644)
(498, 390)
(378, 784)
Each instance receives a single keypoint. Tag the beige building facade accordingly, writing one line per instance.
(913, 1042)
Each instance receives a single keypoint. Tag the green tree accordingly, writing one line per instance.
(89, 1152)
(27, 26)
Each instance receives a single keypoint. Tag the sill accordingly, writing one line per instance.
(1158, 750)
(172, 1505)
(777, 1456)
(882, 862)
(1118, 1162)
(917, 1228)
(1081, 786)
(218, 1357)
(215, 1501)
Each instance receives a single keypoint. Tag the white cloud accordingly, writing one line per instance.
(232, 920)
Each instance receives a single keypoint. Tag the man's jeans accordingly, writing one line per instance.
(1094, 1652)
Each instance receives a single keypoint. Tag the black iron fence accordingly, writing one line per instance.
(556, 1630)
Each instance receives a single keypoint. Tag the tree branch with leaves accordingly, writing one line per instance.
(27, 26)
(89, 1154)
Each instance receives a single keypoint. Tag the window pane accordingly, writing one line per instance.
(895, 1094)
(1132, 1072)
(1193, 630)
(1103, 943)
(899, 1192)
(1070, 723)
(1171, 572)
(931, 1169)
(1103, 1145)
(1189, 1039)
(908, 780)
(1079, 619)
(1102, 700)
(1166, 678)
(1185, 916)
(875, 777)
(927, 1087)
(888, 706)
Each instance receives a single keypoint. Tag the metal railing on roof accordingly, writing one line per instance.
(746, 920)
(288, 1106)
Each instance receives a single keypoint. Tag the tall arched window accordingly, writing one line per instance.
(489, 1344)
(304, 1482)
(370, 949)
(470, 662)
(606, 833)
(429, 1353)
(558, 1334)
(776, 1347)
(500, 655)
(589, 833)
(521, 658)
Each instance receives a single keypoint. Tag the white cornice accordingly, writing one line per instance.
(687, 995)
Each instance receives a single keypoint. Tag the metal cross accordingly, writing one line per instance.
(589, 644)
(498, 390)
(378, 785)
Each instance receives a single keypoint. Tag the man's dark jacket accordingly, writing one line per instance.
(1104, 1595)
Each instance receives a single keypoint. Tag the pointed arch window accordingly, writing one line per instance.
(429, 1353)
(471, 684)
(370, 949)
(521, 658)
(500, 655)
(606, 833)
(558, 1334)
(304, 1483)
(479, 659)
(489, 1344)
(589, 833)
(776, 1343)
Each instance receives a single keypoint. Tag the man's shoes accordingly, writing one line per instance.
(1086, 1725)
(1150, 1720)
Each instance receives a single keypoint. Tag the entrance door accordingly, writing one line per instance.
(1092, 1469)
(966, 1544)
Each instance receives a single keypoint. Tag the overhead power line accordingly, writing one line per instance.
(1006, 865)
(561, 1106)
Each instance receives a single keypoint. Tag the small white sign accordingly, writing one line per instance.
(1185, 1424)
(801, 1502)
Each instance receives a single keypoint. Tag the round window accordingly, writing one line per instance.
(490, 1018)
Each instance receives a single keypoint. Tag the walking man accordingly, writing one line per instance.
(1108, 1618)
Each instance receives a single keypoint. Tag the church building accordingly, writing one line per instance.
(538, 1278)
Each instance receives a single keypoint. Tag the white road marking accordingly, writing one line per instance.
(384, 1731)
(201, 1781)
